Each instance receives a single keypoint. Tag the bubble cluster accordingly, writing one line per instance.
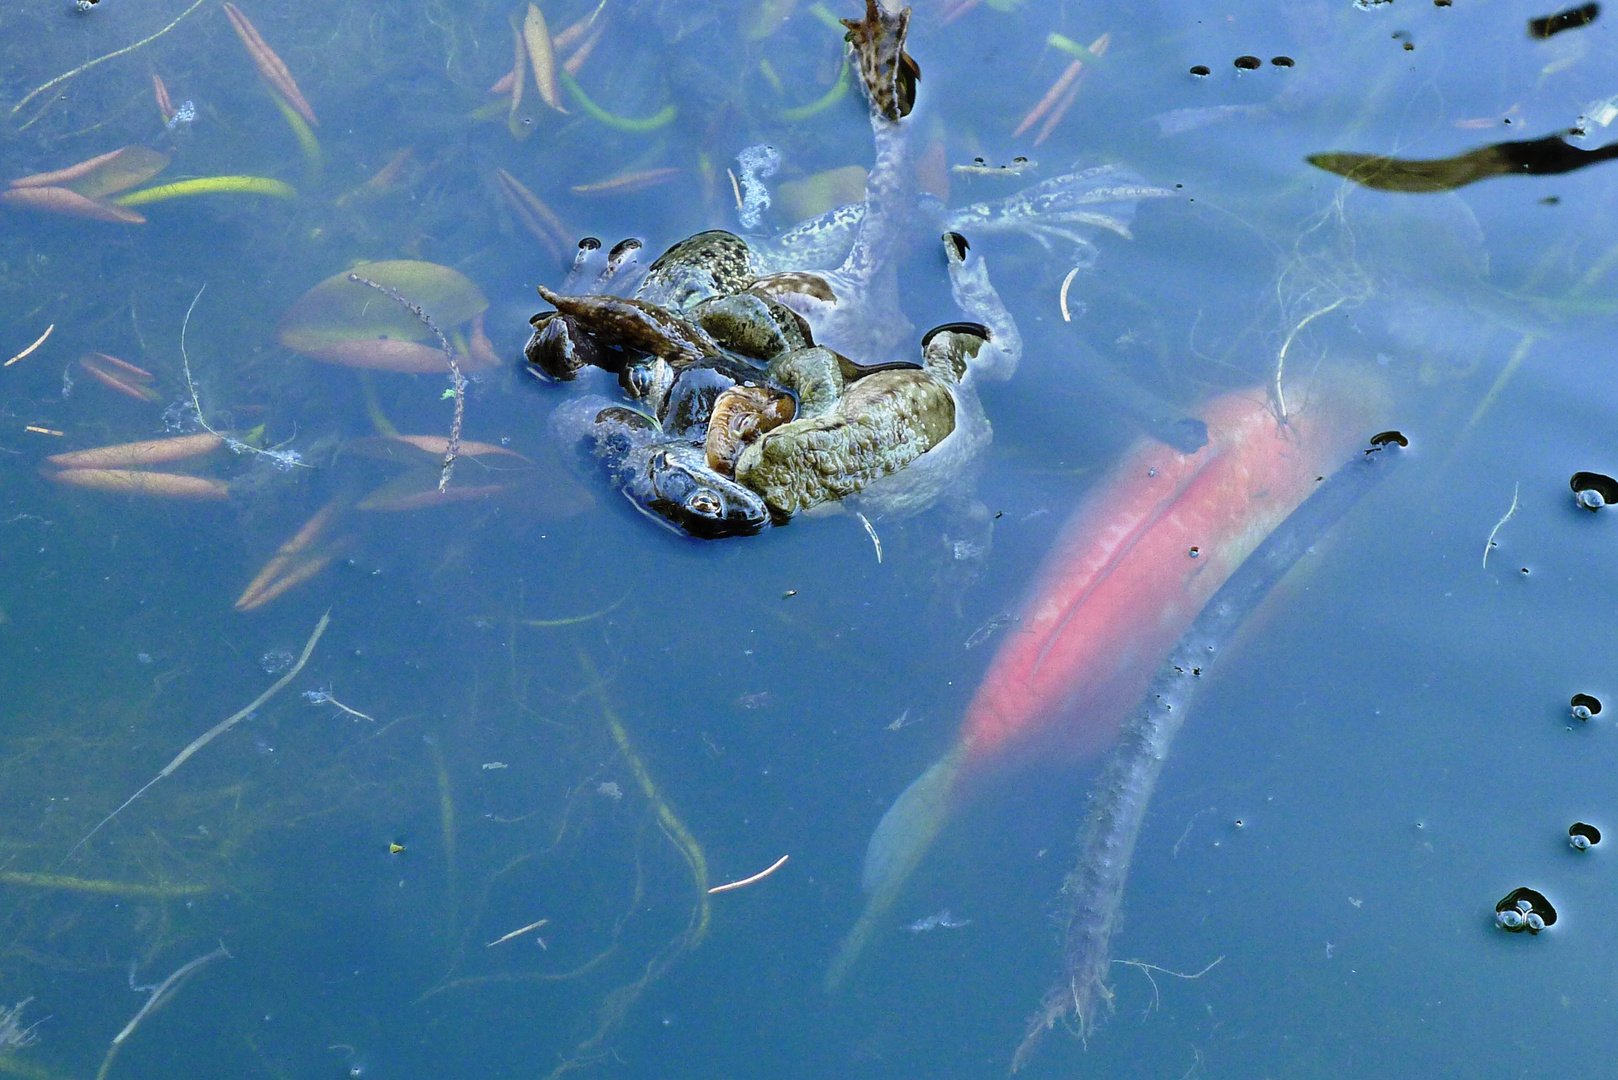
(1524, 910)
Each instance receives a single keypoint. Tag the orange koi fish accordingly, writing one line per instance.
(1134, 566)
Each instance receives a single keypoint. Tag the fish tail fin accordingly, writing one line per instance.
(901, 840)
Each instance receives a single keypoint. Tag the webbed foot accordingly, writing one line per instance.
(887, 72)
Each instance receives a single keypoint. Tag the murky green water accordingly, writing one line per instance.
(569, 714)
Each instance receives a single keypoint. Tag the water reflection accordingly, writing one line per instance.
(1395, 732)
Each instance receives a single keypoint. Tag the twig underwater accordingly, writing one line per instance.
(29, 351)
(160, 995)
(82, 68)
(453, 448)
(746, 881)
(1510, 513)
(283, 458)
(1093, 891)
(212, 733)
(535, 925)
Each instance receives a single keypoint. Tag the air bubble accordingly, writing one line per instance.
(1593, 490)
(1583, 836)
(1524, 909)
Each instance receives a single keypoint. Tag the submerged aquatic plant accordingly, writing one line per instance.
(13, 1036)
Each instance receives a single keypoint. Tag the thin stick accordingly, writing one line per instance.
(329, 700)
(459, 381)
(280, 457)
(162, 990)
(1066, 283)
(26, 352)
(1281, 357)
(523, 930)
(82, 68)
(870, 530)
(1489, 546)
(744, 882)
(214, 732)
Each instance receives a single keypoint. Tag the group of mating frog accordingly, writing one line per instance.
(762, 376)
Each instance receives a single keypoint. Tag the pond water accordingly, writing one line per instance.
(535, 704)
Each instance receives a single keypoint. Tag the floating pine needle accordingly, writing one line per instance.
(213, 733)
(519, 932)
(269, 65)
(1067, 283)
(870, 530)
(1511, 512)
(30, 350)
(458, 380)
(744, 882)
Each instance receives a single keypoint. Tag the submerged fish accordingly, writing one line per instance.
(1133, 567)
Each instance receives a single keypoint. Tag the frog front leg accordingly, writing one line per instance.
(977, 299)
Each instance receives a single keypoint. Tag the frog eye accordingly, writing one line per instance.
(705, 501)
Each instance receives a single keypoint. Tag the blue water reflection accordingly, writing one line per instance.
(1386, 752)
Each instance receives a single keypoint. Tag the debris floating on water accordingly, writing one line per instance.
(1524, 910)
(1582, 836)
(1510, 512)
(1593, 490)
